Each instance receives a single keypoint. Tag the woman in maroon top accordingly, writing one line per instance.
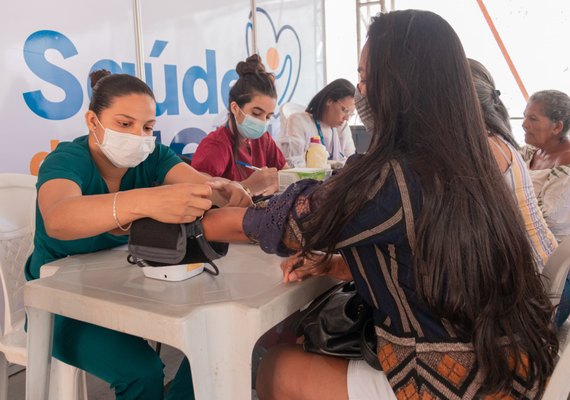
(231, 150)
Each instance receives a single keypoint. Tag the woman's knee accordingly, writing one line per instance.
(276, 373)
(288, 372)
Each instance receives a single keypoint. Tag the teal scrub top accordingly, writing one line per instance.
(73, 161)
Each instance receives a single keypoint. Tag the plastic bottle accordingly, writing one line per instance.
(317, 155)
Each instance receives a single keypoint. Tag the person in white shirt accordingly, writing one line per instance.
(326, 116)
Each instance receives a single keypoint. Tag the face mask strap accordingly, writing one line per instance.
(94, 133)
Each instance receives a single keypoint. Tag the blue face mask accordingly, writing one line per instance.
(251, 128)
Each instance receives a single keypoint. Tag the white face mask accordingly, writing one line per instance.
(125, 150)
(251, 127)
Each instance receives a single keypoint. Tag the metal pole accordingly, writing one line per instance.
(324, 35)
(358, 43)
(139, 48)
(254, 26)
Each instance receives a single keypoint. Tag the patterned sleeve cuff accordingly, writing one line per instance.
(265, 223)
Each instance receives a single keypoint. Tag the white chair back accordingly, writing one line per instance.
(17, 224)
(554, 278)
(17, 213)
(556, 270)
(287, 109)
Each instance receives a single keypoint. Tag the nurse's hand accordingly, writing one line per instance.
(229, 193)
(178, 203)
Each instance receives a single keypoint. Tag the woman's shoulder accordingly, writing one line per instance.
(74, 151)
(221, 137)
(564, 158)
(221, 133)
(69, 160)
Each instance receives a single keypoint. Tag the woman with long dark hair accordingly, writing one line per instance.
(428, 228)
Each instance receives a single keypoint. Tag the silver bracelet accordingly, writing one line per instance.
(115, 215)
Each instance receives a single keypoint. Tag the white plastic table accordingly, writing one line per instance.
(214, 321)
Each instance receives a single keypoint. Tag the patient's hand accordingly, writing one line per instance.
(297, 268)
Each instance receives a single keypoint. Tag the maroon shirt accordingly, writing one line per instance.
(214, 155)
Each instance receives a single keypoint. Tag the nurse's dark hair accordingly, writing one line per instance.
(107, 86)
(556, 106)
(473, 264)
(495, 114)
(253, 80)
(334, 91)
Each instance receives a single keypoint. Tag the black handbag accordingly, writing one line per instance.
(157, 244)
(339, 323)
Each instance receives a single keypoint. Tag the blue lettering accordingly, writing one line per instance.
(158, 135)
(170, 102)
(227, 80)
(209, 76)
(40, 42)
(184, 137)
(35, 48)
(111, 66)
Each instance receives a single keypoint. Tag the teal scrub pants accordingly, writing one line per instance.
(131, 367)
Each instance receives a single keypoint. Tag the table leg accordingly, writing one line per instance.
(220, 356)
(40, 334)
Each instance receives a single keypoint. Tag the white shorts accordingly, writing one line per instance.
(366, 383)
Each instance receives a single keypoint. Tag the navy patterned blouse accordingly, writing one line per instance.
(419, 352)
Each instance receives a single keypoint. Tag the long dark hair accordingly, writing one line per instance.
(336, 90)
(106, 87)
(495, 113)
(426, 113)
(253, 80)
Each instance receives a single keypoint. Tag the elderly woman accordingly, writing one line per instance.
(546, 123)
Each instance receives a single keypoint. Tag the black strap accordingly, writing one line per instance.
(195, 231)
(367, 334)
(215, 272)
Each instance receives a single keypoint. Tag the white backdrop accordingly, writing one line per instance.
(535, 33)
(46, 58)
(190, 50)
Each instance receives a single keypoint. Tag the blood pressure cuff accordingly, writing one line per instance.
(157, 244)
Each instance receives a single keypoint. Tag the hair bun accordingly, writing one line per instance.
(252, 65)
(96, 76)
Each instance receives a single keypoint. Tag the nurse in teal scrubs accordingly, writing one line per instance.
(90, 190)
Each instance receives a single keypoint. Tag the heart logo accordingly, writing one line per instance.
(280, 50)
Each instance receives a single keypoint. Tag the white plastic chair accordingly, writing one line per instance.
(554, 278)
(556, 270)
(286, 142)
(287, 109)
(17, 213)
